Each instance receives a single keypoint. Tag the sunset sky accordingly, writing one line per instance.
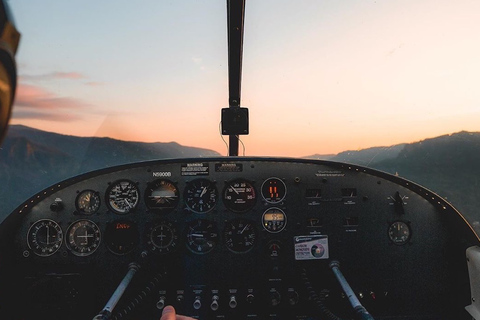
(318, 77)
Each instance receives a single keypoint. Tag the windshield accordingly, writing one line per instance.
(389, 85)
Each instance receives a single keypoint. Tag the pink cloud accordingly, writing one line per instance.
(53, 76)
(33, 102)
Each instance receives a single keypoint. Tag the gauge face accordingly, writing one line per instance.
(122, 196)
(399, 233)
(274, 220)
(200, 195)
(202, 236)
(239, 196)
(240, 235)
(44, 237)
(162, 196)
(121, 236)
(83, 237)
(87, 202)
(162, 237)
(274, 190)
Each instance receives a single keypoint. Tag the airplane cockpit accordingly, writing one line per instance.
(229, 237)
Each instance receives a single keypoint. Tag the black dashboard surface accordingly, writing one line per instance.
(235, 238)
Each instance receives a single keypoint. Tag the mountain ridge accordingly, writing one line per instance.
(31, 159)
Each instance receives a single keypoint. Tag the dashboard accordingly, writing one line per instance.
(235, 238)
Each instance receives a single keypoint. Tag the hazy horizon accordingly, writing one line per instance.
(240, 150)
(318, 76)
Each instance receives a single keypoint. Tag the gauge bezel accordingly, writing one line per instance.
(133, 237)
(230, 204)
(284, 220)
(210, 242)
(56, 226)
(109, 191)
(400, 242)
(237, 223)
(96, 243)
(155, 184)
(171, 246)
(267, 198)
(191, 190)
(81, 194)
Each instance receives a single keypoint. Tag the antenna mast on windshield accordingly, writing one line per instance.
(235, 118)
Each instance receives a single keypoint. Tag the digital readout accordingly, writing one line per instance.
(274, 217)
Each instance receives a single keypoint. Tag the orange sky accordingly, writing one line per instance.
(330, 77)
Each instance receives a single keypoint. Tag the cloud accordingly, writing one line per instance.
(53, 76)
(34, 102)
(61, 117)
(94, 83)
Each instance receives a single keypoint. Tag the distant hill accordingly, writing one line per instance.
(447, 165)
(31, 159)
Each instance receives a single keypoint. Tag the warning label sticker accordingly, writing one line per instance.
(312, 247)
(195, 169)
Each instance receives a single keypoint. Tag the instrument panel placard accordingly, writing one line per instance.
(311, 247)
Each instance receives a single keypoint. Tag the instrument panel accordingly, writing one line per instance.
(239, 238)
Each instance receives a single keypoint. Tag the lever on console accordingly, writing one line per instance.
(360, 310)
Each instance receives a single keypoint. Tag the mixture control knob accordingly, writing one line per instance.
(161, 303)
(274, 297)
(214, 305)
(197, 304)
(233, 302)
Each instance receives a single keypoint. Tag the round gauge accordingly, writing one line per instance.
(200, 195)
(44, 237)
(161, 195)
(240, 235)
(202, 236)
(87, 202)
(399, 232)
(274, 220)
(83, 237)
(162, 237)
(122, 196)
(121, 236)
(239, 196)
(274, 190)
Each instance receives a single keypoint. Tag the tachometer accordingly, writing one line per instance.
(122, 196)
(239, 196)
(83, 237)
(161, 195)
(202, 236)
(200, 195)
(87, 202)
(240, 235)
(44, 237)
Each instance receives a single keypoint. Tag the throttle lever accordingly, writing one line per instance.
(360, 310)
(106, 313)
